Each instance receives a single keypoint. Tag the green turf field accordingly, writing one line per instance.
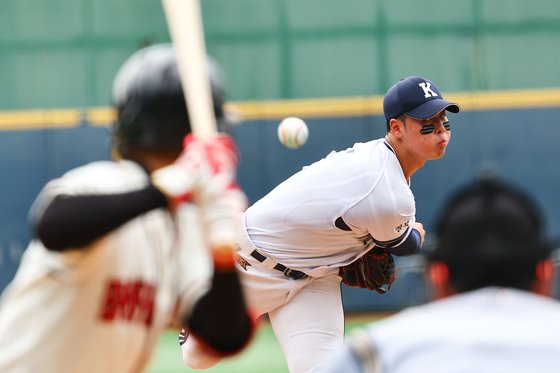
(262, 355)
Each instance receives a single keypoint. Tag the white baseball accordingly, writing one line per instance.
(292, 132)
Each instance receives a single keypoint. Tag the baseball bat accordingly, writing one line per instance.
(184, 21)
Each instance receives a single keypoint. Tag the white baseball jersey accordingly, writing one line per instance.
(102, 309)
(494, 330)
(364, 185)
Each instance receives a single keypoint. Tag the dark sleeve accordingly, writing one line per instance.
(410, 246)
(76, 221)
(220, 319)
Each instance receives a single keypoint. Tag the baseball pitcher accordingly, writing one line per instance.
(339, 219)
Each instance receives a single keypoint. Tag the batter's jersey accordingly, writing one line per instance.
(491, 330)
(364, 186)
(102, 309)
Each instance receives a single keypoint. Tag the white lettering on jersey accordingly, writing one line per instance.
(428, 92)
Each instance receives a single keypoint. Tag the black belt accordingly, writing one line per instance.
(292, 273)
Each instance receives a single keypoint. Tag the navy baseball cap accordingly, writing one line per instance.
(416, 97)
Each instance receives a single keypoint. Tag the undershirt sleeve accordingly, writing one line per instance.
(411, 245)
(74, 221)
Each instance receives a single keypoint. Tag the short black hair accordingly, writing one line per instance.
(490, 233)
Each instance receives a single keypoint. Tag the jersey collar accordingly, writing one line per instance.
(393, 150)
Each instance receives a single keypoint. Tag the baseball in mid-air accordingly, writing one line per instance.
(292, 132)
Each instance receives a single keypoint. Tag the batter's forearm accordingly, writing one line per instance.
(220, 319)
(76, 221)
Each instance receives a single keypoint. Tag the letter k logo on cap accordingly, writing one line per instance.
(428, 92)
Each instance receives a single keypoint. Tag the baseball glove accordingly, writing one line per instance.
(372, 271)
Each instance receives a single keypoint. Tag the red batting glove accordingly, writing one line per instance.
(205, 172)
(218, 194)
(219, 153)
(203, 163)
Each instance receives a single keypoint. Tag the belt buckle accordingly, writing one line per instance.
(296, 275)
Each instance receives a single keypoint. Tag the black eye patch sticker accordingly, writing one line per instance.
(447, 125)
(427, 129)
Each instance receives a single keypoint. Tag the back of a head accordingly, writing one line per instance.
(490, 234)
(150, 104)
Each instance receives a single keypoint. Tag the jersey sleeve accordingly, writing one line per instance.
(70, 215)
(386, 213)
(102, 177)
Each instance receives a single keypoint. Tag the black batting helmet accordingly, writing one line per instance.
(150, 104)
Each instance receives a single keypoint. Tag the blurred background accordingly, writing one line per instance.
(327, 61)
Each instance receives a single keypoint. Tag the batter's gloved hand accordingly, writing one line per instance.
(218, 194)
(374, 271)
(205, 173)
(203, 163)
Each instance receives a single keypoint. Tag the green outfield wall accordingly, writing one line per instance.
(64, 53)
